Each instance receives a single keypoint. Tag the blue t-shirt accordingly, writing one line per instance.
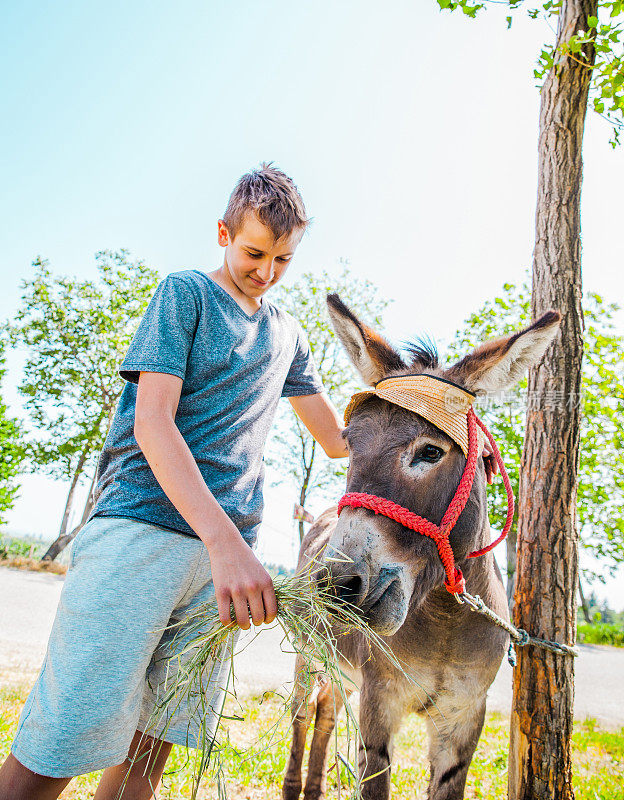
(234, 367)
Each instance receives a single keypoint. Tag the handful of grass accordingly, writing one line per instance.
(312, 619)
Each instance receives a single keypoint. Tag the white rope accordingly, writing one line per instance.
(519, 636)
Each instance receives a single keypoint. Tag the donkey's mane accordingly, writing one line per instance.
(422, 352)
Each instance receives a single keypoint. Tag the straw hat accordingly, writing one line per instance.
(441, 402)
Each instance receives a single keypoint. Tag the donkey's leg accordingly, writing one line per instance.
(328, 706)
(380, 717)
(452, 742)
(302, 709)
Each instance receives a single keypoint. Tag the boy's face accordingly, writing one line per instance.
(254, 261)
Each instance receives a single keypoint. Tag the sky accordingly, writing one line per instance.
(410, 132)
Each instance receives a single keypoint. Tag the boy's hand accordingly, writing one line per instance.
(239, 577)
(491, 467)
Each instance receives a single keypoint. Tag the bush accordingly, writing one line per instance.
(10, 547)
(601, 633)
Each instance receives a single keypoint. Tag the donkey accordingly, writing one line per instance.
(395, 576)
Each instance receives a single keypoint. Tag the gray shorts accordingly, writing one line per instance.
(108, 656)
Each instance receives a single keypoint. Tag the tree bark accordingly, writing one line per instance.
(512, 543)
(547, 565)
(61, 542)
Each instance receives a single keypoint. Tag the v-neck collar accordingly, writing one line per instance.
(250, 317)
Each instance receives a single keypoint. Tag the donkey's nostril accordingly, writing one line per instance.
(349, 588)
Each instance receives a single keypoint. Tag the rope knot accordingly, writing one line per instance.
(458, 584)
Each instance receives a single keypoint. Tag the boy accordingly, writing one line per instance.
(179, 501)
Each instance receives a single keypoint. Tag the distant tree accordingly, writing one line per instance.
(76, 334)
(12, 452)
(593, 607)
(600, 611)
(292, 451)
(601, 462)
(606, 613)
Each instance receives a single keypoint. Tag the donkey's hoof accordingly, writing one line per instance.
(291, 790)
(314, 794)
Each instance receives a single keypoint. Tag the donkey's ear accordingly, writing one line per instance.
(500, 363)
(370, 353)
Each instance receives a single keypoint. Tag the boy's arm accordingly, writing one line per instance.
(320, 417)
(236, 572)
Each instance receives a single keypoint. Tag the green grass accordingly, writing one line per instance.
(601, 633)
(598, 757)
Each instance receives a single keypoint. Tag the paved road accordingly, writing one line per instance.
(28, 603)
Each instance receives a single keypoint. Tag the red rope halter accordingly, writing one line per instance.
(454, 581)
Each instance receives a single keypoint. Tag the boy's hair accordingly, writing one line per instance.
(272, 196)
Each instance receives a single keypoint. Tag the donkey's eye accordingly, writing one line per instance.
(430, 454)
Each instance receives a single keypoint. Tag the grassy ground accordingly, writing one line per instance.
(598, 758)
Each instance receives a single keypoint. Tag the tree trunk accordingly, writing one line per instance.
(304, 487)
(584, 605)
(512, 543)
(72, 489)
(547, 566)
(61, 542)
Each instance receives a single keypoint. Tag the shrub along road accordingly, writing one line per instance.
(29, 601)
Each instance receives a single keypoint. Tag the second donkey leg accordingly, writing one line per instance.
(328, 706)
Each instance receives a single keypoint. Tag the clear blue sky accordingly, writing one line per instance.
(410, 132)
